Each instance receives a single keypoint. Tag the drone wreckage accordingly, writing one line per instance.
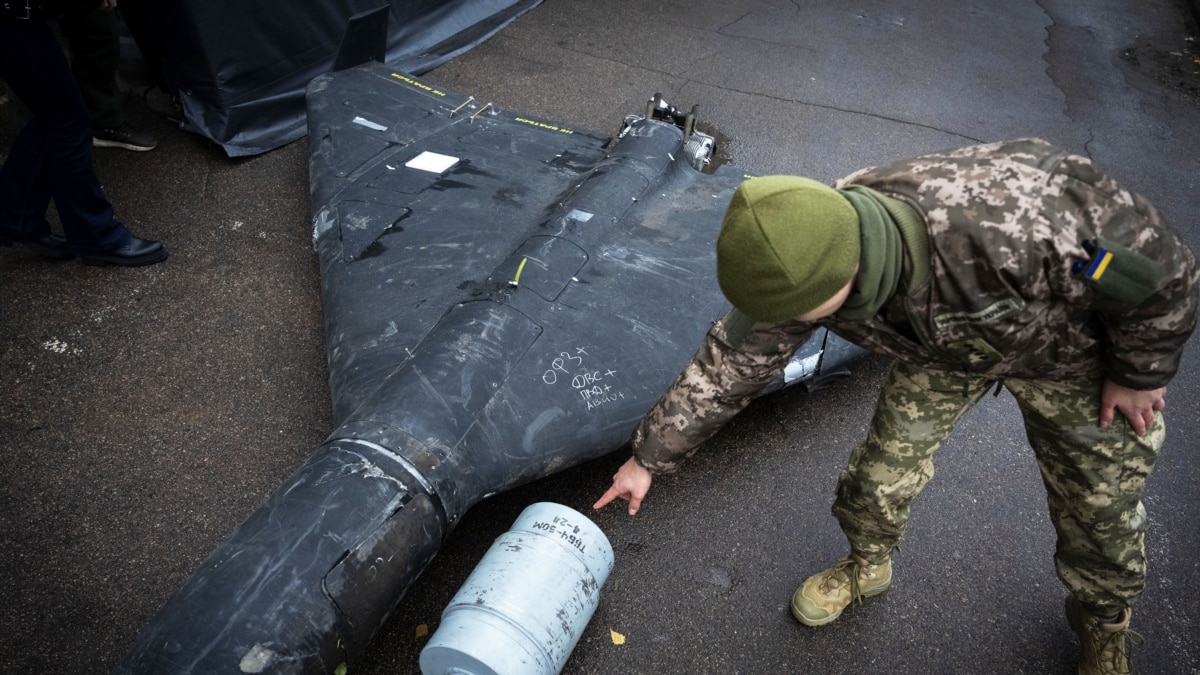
(504, 298)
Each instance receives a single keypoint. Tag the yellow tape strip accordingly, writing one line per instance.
(520, 268)
(464, 104)
(480, 111)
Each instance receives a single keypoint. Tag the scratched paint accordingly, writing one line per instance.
(256, 660)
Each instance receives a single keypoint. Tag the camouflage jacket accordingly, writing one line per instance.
(1010, 291)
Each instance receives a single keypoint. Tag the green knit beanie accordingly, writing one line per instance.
(786, 246)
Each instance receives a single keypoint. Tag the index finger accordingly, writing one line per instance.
(606, 498)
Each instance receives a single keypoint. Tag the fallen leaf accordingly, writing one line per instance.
(617, 638)
(422, 630)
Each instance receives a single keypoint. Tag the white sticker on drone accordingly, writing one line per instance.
(369, 124)
(432, 162)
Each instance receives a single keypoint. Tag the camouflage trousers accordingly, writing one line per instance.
(1093, 477)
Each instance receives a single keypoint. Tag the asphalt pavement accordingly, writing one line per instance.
(146, 412)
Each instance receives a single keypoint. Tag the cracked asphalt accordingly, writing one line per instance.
(145, 413)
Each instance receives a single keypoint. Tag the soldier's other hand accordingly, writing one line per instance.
(631, 483)
(1137, 406)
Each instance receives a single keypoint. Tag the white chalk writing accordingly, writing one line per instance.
(584, 378)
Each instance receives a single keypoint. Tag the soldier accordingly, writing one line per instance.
(1014, 265)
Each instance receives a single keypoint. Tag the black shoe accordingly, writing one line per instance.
(123, 136)
(48, 245)
(136, 253)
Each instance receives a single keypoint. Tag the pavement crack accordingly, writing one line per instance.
(850, 111)
(686, 80)
(1049, 56)
(721, 30)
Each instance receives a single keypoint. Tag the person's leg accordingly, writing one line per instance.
(95, 50)
(24, 191)
(63, 131)
(24, 198)
(1094, 480)
(94, 44)
(917, 410)
(139, 20)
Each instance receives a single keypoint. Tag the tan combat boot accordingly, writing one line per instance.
(1105, 648)
(822, 597)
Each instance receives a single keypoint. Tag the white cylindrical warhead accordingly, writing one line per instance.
(524, 607)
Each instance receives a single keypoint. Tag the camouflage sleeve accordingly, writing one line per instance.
(1149, 307)
(736, 361)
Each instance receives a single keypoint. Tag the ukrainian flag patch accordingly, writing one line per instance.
(1099, 264)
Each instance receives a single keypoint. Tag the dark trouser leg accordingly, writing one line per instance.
(55, 149)
(24, 190)
(95, 50)
(138, 20)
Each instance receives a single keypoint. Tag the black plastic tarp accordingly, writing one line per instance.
(239, 67)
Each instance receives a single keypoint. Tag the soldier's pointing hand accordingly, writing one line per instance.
(631, 483)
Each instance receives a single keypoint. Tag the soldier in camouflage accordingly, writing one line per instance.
(1012, 264)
